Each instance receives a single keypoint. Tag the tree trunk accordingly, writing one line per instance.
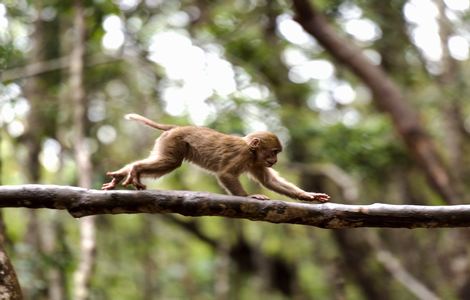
(449, 81)
(35, 91)
(82, 156)
(9, 285)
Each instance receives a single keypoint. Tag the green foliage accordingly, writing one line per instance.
(372, 148)
(6, 52)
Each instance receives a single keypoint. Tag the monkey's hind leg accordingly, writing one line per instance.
(152, 166)
(119, 176)
(167, 155)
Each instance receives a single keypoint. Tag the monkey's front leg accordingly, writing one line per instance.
(271, 179)
(234, 187)
(231, 184)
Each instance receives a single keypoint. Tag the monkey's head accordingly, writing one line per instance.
(266, 146)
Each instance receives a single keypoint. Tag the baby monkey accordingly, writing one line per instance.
(224, 155)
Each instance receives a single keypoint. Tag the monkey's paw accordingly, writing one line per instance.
(108, 185)
(135, 182)
(259, 197)
(320, 197)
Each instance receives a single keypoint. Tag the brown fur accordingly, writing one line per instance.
(225, 155)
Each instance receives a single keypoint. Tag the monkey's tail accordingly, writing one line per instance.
(149, 122)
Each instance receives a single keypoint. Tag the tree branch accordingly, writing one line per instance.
(81, 202)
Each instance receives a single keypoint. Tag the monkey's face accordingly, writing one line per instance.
(266, 147)
(267, 157)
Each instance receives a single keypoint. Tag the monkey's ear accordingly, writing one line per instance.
(254, 143)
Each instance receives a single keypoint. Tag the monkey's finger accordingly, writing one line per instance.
(116, 177)
(315, 197)
(128, 180)
(322, 197)
(259, 197)
(108, 186)
(132, 176)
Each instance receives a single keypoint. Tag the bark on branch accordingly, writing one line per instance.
(81, 202)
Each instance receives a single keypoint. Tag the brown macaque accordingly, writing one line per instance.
(224, 155)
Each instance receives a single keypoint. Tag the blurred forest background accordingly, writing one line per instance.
(369, 97)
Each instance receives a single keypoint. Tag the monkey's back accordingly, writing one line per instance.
(209, 148)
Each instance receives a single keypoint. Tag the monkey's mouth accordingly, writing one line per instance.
(269, 164)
